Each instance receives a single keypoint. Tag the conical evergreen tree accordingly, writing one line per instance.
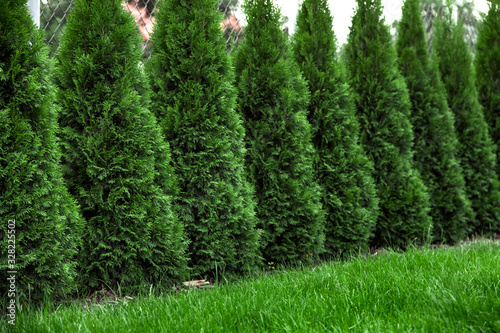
(117, 163)
(476, 150)
(383, 109)
(273, 98)
(487, 65)
(436, 143)
(41, 222)
(341, 165)
(194, 99)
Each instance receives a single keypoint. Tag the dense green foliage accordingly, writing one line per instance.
(436, 143)
(383, 109)
(273, 98)
(476, 150)
(45, 233)
(117, 163)
(342, 167)
(194, 100)
(487, 65)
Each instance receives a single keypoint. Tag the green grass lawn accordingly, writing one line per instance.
(443, 290)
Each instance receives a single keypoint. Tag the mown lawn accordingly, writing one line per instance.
(443, 290)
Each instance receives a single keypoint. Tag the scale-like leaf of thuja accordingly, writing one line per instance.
(45, 222)
(383, 109)
(435, 138)
(476, 149)
(273, 98)
(194, 100)
(117, 162)
(487, 65)
(341, 165)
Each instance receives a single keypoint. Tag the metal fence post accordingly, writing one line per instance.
(34, 6)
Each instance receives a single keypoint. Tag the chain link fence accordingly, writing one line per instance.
(53, 15)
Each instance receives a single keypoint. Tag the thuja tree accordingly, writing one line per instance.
(383, 109)
(273, 98)
(342, 167)
(41, 223)
(194, 100)
(117, 163)
(476, 150)
(487, 65)
(435, 138)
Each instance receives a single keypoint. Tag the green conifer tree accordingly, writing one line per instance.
(41, 223)
(342, 167)
(487, 65)
(436, 143)
(383, 109)
(273, 98)
(117, 162)
(476, 150)
(194, 100)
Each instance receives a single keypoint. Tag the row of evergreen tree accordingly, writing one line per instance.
(123, 174)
